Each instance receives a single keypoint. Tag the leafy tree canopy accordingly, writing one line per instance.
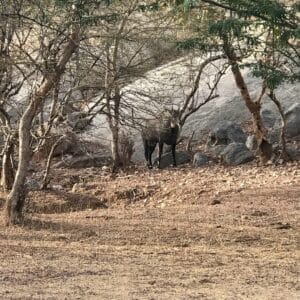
(266, 30)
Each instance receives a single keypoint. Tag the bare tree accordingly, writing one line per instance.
(123, 51)
(49, 65)
(7, 174)
(190, 105)
(16, 198)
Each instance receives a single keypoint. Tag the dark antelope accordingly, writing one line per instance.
(163, 130)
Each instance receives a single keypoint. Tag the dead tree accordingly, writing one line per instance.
(7, 172)
(16, 198)
(190, 106)
(45, 181)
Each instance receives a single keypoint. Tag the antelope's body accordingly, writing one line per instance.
(164, 130)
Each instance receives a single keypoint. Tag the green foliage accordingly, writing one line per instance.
(94, 20)
(273, 12)
(272, 76)
(286, 35)
(187, 4)
(154, 6)
(265, 29)
(273, 9)
(81, 3)
(197, 43)
(233, 27)
(82, 11)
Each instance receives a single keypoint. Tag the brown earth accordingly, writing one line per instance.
(211, 233)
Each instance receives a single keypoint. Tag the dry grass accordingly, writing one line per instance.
(212, 233)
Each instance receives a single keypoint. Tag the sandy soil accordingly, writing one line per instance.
(212, 233)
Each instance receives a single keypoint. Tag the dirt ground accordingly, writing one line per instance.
(209, 233)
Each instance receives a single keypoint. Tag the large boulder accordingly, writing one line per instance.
(216, 150)
(85, 161)
(292, 115)
(200, 159)
(274, 135)
(182, 157)
(68, 144)
(236, 154)
(293, 152)
(226, 133)
(251, 142)
(78, 121)
(269, 118)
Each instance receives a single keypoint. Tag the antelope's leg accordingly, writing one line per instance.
(174, 154)
(160, 151)
(146, 150)
(150, 151)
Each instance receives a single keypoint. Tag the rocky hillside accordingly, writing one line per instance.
(171, 83)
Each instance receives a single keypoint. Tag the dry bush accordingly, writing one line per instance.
(69, 144)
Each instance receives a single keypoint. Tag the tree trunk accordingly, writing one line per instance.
(116, 130)
(264, 147)
(115, 147)
(284, 154)
(113, 119)
(189, 142)
(16, 198)
(50, 156)
(7, 174)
